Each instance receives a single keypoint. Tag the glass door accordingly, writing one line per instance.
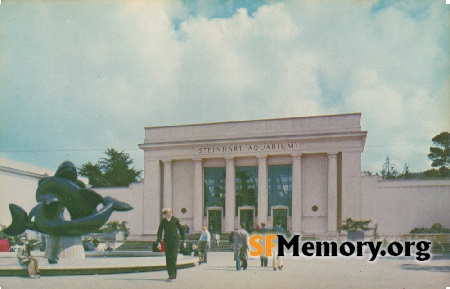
(215, 221)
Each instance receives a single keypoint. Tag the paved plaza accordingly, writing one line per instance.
(219, 272)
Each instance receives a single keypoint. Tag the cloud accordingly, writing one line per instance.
(91, 76)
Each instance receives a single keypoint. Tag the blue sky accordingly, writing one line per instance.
(79, 77)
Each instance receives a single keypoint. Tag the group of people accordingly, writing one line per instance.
(171, 231)
(241, 247)
(173, 234)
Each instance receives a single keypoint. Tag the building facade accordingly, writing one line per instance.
(303, 172)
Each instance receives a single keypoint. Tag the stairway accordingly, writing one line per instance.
(445, 247)
(224, 243)
(440, 247)
(136, 246)
(193, 238)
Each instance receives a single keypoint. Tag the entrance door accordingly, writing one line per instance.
(246, 216)
(215, 221)
(280, 215)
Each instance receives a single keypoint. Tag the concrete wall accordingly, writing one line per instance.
(398, 206)
(19, 181)
(18, 184)
(134, 196)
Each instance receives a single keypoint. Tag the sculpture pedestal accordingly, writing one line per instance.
(65, 248)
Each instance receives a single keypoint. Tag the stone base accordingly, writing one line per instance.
(65, 248)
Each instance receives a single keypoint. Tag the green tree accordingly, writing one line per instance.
(406, 174)
(93, 173)
(440, 154)
(388, 171)
(111, 171)
(442, 172)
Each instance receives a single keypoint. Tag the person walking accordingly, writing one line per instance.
(241, 247)
(217, 237)
(172, 230)
(231, 240)
(277, 260)
(26, 259)
(263, 258)
(204, 243)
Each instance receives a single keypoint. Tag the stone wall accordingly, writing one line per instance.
(132, 195)
(18, 184)
(398, 206)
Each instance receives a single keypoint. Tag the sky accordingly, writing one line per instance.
(79, 77)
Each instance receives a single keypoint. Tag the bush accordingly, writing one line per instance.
(435, 229)
(351, 225)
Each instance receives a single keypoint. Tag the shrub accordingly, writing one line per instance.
(437, 228)
(351, 225)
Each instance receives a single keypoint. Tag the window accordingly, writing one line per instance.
(246, 187)
(214, 188)
(280, 187)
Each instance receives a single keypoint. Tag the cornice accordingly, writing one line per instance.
(23, 173)
(323, 138)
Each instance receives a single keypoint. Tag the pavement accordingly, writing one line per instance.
(220, 272)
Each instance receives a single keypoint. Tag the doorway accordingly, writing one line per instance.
(280, 216)
(215, 221)
(246, 217)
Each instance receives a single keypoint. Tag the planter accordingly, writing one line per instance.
(355, 229)
(109, 236)
(355, 236)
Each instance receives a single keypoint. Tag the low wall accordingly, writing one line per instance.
(398, 206)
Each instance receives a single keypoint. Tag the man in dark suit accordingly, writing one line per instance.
(172, 230)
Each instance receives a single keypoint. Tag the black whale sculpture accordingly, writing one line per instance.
(64, 191)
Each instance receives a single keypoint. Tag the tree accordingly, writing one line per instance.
(93, 173)
(388, 171)
(442, 172)
(406, 174)
(440, 155)
(111, 171)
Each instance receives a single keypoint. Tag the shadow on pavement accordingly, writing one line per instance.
(414, 267)
(145, 279)
(220, 269)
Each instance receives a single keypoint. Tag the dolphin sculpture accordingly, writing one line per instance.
(60, 192)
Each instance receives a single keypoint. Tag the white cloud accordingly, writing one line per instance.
(98, 75)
